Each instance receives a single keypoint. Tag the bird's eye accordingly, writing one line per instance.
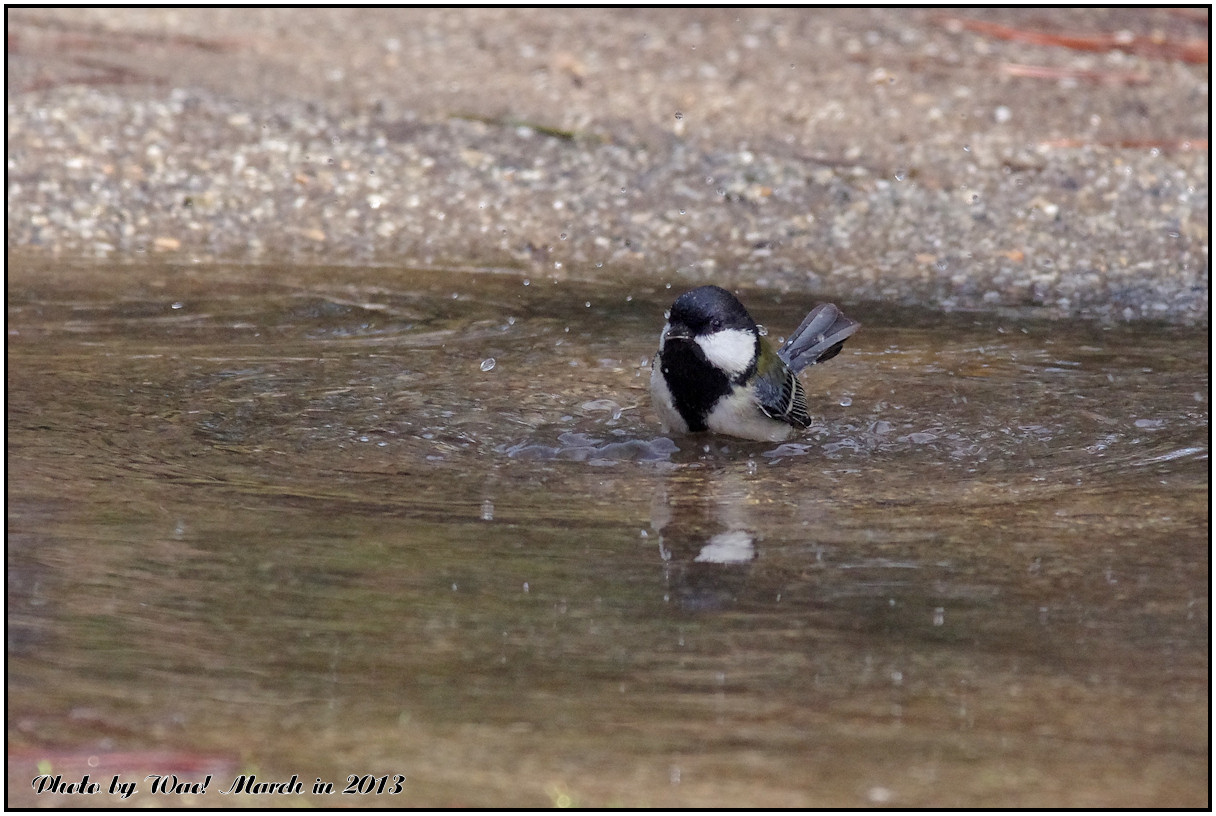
(716, 324)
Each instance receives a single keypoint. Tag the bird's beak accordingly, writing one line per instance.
(676, 331)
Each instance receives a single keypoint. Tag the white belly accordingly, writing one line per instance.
(738, 415)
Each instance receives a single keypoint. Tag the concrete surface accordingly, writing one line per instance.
(934, 157)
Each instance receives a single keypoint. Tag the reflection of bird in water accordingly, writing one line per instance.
(704, 543)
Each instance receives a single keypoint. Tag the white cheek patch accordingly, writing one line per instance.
(731, 350)
(734, 547)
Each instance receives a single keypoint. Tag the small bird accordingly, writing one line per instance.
(715, 371)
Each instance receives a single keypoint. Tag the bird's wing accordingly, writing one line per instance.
(781, 396)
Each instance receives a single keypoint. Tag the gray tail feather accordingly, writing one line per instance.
(819, 337)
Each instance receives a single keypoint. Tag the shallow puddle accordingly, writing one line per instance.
(336, 522)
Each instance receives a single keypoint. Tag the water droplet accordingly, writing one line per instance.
(845, 402)
(679, 115)
(563, 236)
(177, 305)
(488, 364)
(939, 616)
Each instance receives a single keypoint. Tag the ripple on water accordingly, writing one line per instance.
(578, 447)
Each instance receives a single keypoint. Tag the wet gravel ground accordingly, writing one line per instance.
(914, 156)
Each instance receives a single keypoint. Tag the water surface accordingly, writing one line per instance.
(385, 521)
